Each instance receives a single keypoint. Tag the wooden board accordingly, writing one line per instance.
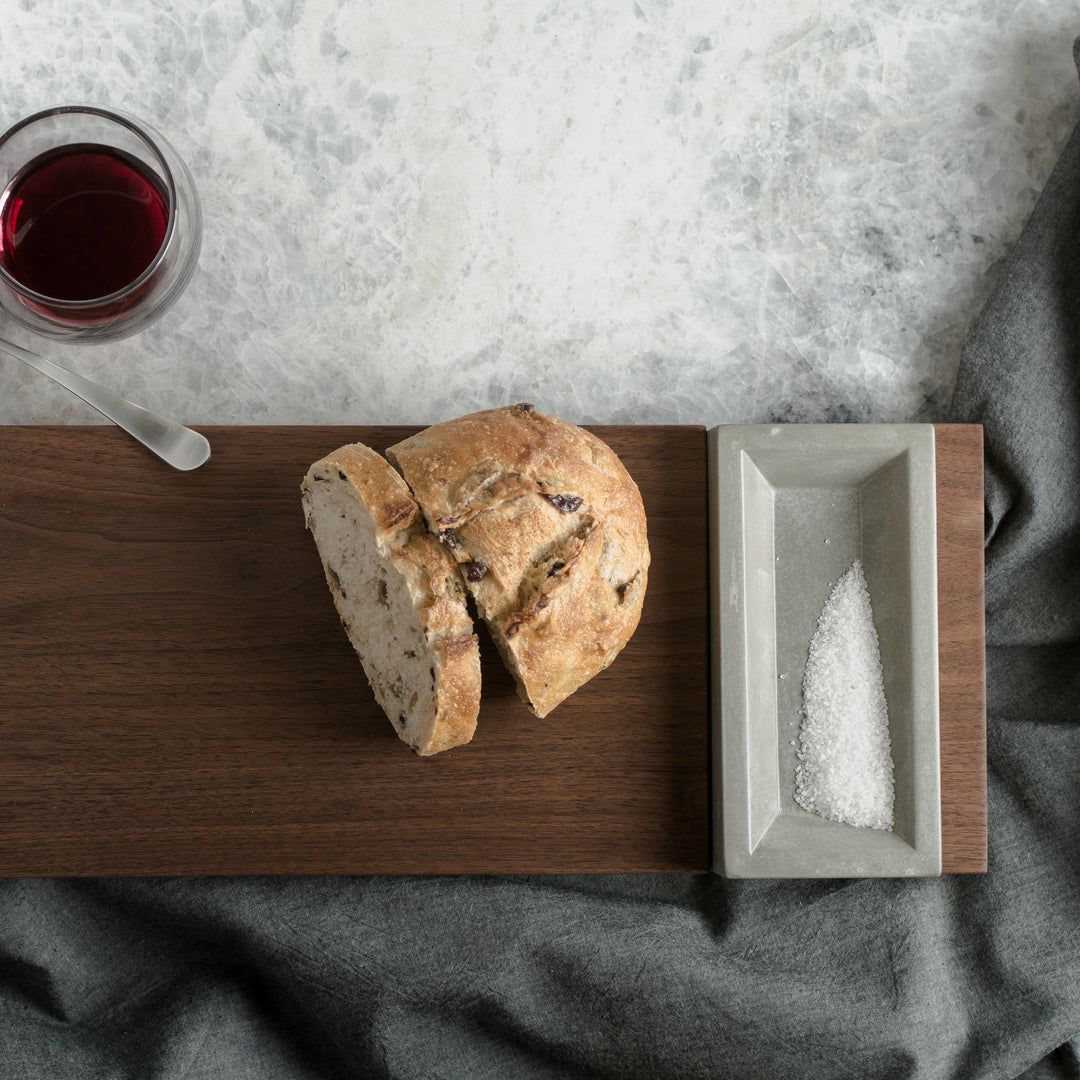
(961, 646)
(177, 697)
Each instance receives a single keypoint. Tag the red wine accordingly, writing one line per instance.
(81, 222)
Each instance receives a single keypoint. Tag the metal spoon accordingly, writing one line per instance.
(179, 446)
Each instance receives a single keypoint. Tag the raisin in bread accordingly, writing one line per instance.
(399, 595)
(550, 532)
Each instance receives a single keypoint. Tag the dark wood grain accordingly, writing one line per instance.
(177, 697)
(961, 647)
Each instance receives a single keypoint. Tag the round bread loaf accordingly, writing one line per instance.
(549, 530)
(399, 595)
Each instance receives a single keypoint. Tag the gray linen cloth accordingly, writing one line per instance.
(679, 977)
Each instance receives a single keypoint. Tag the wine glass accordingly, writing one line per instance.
(100, 231)
(100, 226)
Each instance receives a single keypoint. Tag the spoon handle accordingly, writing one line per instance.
(179, 446)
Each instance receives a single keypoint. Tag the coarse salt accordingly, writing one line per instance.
(845, 768)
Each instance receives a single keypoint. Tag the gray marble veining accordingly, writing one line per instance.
(639, 211)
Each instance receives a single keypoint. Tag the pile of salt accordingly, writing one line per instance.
(845, 770)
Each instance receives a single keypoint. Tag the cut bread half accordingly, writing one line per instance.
(550, 532)
(399, 595)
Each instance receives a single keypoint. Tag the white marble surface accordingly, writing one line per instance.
(645, 211)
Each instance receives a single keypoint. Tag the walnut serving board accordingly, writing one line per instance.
(177, 696)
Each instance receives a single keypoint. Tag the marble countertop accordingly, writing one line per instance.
(624, 211)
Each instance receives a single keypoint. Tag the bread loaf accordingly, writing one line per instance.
(399, 594)
(550, 532)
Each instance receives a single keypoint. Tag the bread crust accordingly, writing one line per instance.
(550, 531)
(431, 576)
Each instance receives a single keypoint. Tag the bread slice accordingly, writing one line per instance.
(400, 597)
(550, 532)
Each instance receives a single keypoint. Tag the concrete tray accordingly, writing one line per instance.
(791, 507)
